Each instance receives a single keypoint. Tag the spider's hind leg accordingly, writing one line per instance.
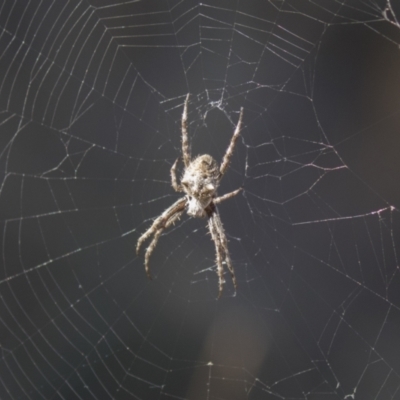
(229, 151)
(185, 140)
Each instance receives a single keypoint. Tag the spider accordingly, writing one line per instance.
(200, 181)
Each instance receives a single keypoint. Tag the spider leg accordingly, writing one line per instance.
(156, 236)
(221, 247)
(227, 196)
(174, 181)
(161, 221)
(185, 140)
(229, 151)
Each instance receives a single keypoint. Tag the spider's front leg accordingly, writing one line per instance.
(165, 220)
(221, 247)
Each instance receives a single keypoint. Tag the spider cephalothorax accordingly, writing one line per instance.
(200, 182)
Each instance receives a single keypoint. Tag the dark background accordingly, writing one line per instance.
(91, 98)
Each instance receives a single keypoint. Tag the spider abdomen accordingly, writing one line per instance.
(205, 166)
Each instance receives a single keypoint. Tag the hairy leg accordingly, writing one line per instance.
(221, 247)
(174, 181)
(161, 221)
(185, 140)
(227, 196)
(156, 236)
(229, 151)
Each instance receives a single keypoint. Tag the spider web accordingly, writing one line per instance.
(92, 94)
